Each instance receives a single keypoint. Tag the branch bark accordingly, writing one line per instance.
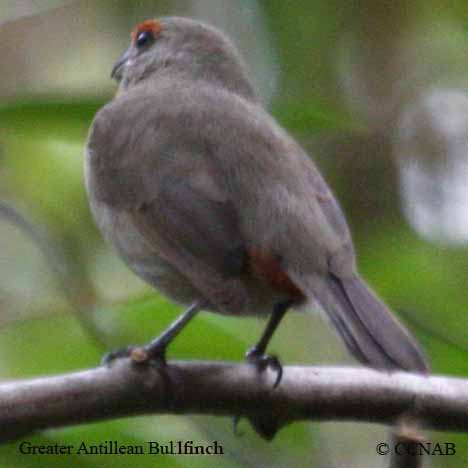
(220, 388)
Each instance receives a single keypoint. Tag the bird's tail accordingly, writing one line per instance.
(368, 328)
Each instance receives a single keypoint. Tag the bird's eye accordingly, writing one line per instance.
(143, 39)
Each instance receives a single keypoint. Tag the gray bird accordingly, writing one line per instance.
(210, 201)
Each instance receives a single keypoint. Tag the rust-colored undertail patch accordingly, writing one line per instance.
(267, 267)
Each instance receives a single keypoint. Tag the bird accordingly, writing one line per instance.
(210, 201)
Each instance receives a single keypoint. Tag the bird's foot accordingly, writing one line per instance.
(149, 354)
(263, 361)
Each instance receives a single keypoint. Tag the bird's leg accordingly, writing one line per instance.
(155, 350)
(256, 355)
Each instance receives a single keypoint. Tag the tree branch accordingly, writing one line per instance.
(220, 388)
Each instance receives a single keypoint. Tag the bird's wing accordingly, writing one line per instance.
(283, 203)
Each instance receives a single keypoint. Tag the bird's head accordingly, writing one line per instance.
(181, 48)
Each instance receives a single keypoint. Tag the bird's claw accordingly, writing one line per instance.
(263, 361)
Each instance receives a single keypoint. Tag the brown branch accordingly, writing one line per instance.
(220, 388)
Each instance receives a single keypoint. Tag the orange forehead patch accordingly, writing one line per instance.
(152, 26)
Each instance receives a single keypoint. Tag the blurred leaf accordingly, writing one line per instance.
(305, 119)
(50, 117)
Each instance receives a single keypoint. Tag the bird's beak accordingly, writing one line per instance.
(116, 72)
